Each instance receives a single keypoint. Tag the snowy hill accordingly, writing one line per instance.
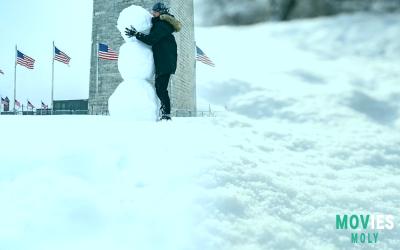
(311, 131)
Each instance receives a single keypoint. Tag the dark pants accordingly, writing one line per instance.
(162, 92)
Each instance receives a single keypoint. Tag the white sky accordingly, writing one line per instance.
(33, 25)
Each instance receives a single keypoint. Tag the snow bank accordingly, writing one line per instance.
(238, 183)
(312, 70)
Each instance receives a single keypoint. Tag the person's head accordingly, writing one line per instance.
(159, 9)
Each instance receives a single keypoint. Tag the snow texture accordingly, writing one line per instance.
(320, 99)
(135, 97)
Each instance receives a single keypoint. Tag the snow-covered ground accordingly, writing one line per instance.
(311, 131)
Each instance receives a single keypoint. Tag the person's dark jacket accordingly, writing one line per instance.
(163, 43)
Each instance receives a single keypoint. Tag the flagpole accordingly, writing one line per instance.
(97, 66)
(15, 76)
(52, 82)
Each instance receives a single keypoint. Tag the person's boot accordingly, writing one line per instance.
(165, 117)
(161, 111)
(162, 114)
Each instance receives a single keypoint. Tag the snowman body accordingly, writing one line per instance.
(135, 98)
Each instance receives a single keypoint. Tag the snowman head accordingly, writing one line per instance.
(137, 17)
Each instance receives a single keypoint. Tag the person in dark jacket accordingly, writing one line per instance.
(164, 51)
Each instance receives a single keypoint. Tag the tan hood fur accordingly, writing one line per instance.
(173, 21)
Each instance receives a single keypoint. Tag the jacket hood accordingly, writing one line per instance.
(172, 20)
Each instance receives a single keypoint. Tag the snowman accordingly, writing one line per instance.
(135, 98)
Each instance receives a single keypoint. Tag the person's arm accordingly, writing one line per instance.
(159, 31)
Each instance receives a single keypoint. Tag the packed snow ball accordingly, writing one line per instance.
(134, 100)
(136, 61)
(136, 16)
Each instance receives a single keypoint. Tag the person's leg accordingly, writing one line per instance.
(162, 92)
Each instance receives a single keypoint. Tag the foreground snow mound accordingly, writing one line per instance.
(127, 190)
(238, 183)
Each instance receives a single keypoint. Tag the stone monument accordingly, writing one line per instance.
(104, 75)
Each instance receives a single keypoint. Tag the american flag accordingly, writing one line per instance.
(5, 100)
(25, 60)
(61, 56)
(202, 57)
(107, 53)
(44, 106)
(17, 103)
(30, 105)
(1, 72)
